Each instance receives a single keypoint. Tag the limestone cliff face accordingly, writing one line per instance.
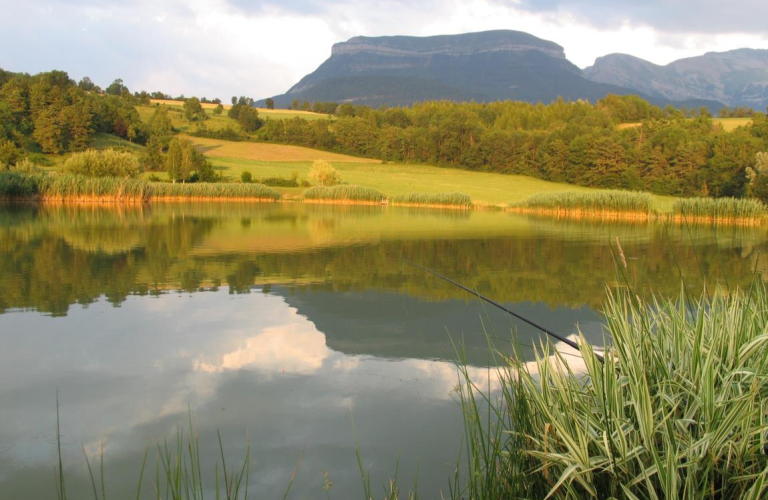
(736, 78)
(484, 66)
(448, 45)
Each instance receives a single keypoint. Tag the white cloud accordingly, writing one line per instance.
(221, 48)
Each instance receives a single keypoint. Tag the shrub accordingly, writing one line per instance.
(106, 163)
(26, 165)
(17, 185)
(9, 154)
(279, 182)
(246, 177)
(324, 174)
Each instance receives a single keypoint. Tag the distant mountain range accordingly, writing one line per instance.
(736, 78)
(504, 64)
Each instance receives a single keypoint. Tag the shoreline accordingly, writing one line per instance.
(561, 213)
(610, 215)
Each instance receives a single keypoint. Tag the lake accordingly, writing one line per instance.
(280, 324)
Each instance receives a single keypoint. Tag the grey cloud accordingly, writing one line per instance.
(297, 6)
(681, 16)
(110, 40)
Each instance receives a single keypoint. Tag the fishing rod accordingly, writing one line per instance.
(544, 329)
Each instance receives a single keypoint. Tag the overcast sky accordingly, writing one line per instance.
(259, 48)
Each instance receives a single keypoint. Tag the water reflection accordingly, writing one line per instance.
(279, 319)
(54, 257)
(243, 363)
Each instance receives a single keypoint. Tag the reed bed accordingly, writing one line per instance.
(597, 203)
(77, 187)
(678, 409)
(441, 199)
(746, 210)
(67, 187)
(343, 193)
(232, 190)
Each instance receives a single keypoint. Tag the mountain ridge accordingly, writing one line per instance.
(484, 66)
(737, 77)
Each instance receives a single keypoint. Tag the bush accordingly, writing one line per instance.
(107, 163)
(26, 165)
(324, 174)
(9, 154)
(279, 182)
(246, 177)
(227, 134)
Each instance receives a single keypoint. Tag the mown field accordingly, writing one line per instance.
(731, 124)
(392, 179)
(268, 152)
(728, 124)
(262, 160)
(275, 114)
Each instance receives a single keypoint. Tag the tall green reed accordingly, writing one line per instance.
(450, 199)
(679, 408)
(720, 209)
(213, 190)
(343, 193)
(602, 201)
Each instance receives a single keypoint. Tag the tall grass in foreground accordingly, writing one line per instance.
(235, 190)
(600, 202)
(67, 187)
(450, 199)
(719, 209)
(73, 187)
(679, 409)
(178, 473)
(343, 193)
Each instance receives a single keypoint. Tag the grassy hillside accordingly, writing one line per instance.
(268, 152)
(392, 179)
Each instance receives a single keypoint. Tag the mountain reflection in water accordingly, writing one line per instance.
(277, 321)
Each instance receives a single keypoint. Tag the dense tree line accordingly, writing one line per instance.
(50, 113)
(666, 151)
(618, 142)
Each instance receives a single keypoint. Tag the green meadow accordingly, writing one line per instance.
(399, 179)
(391, 179)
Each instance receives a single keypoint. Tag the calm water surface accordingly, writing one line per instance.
(279, 323)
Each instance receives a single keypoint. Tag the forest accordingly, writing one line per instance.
(619, 142)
